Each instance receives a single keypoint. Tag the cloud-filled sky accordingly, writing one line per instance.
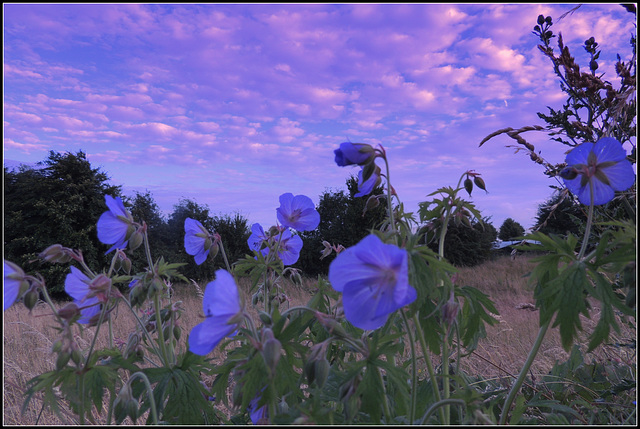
(232, 105)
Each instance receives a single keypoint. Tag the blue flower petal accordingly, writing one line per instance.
(221, 296)
(297, 212)
(205, 336)
(374, 280)
(620, 175)
(76, 284)
(290, 249)
(193, 244)
(10, 286)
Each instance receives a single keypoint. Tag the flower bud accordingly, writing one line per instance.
(136, 239)
(55, 254)
(271, 352)
(76, 356)
(569, 173)
(331, 325)
(30, 298)
(125, 405)
(56, 347)
(131, 229)
(177, 332)
(450, 310)
(213, 251)
(468, 185)
(62, 360)
(69, 311)
(265, 318)
(479, 183)
(322, 368)
(132, 345)
(310, 370)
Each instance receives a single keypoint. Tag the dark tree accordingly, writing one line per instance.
(58, 203)
(510, 230)
(560, 215)
(467, 246)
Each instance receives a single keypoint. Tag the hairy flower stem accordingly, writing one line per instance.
(440, 404)
(224, 256)
(543, 329)
(142, 328)
(159, 329)
(152, 402)
(392, 222)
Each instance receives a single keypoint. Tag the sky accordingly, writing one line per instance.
(232, 105)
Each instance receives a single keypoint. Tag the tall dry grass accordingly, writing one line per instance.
(28, 336)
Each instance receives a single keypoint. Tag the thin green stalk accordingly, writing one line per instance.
(445, 378)
(161, 344)
(414, 371)
(385, 399)
(389, 204)
(439, 405)
(543, 329)
(224, 256)
(427, 359)
(523, 373)
(142, 328)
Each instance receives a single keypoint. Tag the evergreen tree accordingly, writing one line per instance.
(560, 215)
(467, 246)
(510, 230)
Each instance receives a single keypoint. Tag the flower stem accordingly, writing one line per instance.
(523, 373)
(414, 370)
(427, 359)
(543, 329)
(145, 380)
(392, 222)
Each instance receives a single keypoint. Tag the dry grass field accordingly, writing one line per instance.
(28, 337)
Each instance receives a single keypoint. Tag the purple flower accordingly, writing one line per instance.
(298, 212)
(367, 186)
(77, 285)
(353, 153)
(14, 283)
(197, 240)
(374, 281)
(116, 225)
(258, 415)
(604, 165)
(288, 249)
(221, 305)
(257, 237)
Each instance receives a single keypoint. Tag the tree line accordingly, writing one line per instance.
(60, 201)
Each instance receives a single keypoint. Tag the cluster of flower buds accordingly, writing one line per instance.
(66, 348)
(329, 248)
(125, 405)
(57, 254)
(317, 366)
(473, 177)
